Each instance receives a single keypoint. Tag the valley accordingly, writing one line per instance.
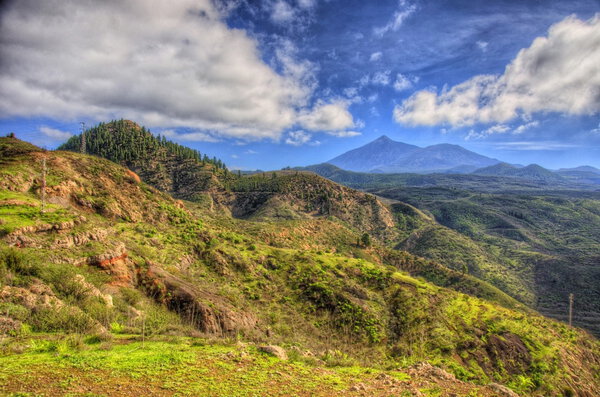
(205, 277)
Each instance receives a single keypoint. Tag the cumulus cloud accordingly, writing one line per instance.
(376, 56)
(557, 73)
(298, 138)
(55, 134)
(405, 9)
(327, 117)
(381, 78)
(165, 64)
(403, 82)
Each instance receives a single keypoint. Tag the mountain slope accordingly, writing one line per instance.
(374, 155)
(438, 158)
(110, 254)
(170, 167)
(532, 172)
(388, 156)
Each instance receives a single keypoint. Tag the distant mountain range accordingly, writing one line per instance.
(385, 155)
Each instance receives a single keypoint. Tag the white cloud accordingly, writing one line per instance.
(405, 10)
(165, 64)
(55, 134)
(482, 45)
(250, 151)
(376, 56)
(403, 82)
(344, 134)
(235, 156)
(381, 78)
(557, 73)
(524, 127)
(196, 136)
(282, 12)
(298, 138)
(327, 117)
(501, 129)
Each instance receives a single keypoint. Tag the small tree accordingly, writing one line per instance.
(365, 240)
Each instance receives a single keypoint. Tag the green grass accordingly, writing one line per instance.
(180, 366)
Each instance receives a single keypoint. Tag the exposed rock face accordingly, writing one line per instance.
(208, 312)
(93, 291)
(273, 350)
(118, 265)
(36, 296)
(9, 325)
(80, 239)
(502, 391)
(509, 350)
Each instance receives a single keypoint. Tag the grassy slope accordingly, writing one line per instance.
(547, 244)
(329, 297)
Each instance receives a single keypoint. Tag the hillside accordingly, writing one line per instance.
(535, 244)
(385, 155)
(110, 260)
(531, 172)
(473, 182)
(543, 245)
(168, 166)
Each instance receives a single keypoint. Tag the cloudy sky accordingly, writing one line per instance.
(266, 84)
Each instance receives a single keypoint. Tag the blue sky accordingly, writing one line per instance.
(267, 84)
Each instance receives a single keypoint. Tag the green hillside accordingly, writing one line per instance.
(115, 283)
(541, 247)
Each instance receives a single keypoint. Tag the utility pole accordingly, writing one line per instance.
(570, 310)
(82, 147)
(43, 193)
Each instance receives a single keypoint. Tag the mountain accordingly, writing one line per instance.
(583, 168)
(374, 155)
(531, 172)
(387, 156)
(99, 270)
(168, 166)
(438, 158)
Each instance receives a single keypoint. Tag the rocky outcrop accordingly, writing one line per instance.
(37, 295)
(275, 351)
(116, 263)
(80, 239)
(208, 312)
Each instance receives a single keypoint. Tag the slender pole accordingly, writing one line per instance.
(43, 192)
(82, 147)
(570, 309)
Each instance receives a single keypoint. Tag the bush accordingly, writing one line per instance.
(66, 319)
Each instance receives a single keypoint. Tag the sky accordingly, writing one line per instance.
(266, 84)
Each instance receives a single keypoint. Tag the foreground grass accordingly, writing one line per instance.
(179, 366)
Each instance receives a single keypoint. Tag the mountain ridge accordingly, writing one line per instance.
(388, 156)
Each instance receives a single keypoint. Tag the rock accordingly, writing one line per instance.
(9, 325)
(91, 290)
(207, 311)
(502, 390)
(274, 350)
(358, 387)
